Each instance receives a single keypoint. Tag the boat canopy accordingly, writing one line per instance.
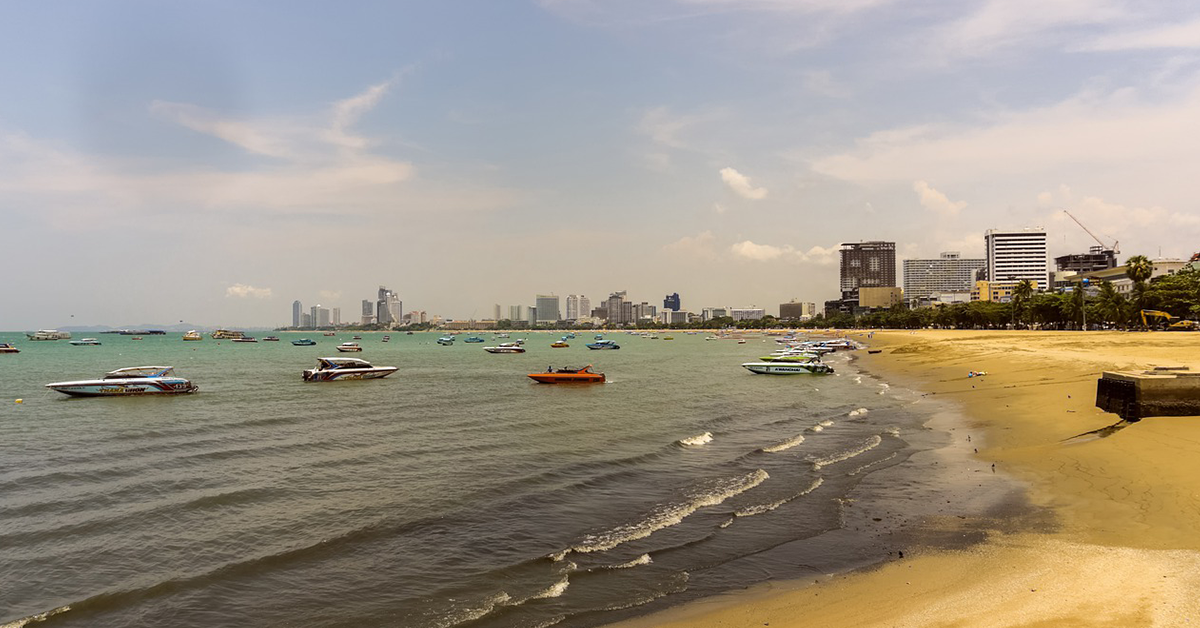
(140, 371)
(343, 363)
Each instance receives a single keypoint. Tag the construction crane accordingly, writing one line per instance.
(1115, 248)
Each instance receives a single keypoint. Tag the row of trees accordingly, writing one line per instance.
(1177, 294)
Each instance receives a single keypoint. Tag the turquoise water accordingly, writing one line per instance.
(455, 492)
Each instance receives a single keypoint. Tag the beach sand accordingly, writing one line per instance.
(1118, 542)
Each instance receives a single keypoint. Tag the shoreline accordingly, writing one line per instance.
(1108, 538)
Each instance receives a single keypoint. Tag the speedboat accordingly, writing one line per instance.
(49, 334)
(356, 338)
(387, 338)
(193, 335)
(271, 339)
(134, 380)
(304, 342)
(814, 367)
(8, 348)
(329, 333)
(559, 345)
(603, 344)
(330, 369)
(569, 376)
(86, 341)
(473, 339)
(505, 347)
(246, 339)
(349, 347)
(446, 341)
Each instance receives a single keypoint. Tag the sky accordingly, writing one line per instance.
(212, 162)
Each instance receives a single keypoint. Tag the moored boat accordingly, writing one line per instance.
(473, 339)
(304, 342)
(349, 347)
(506, 347)
(49, 334)
(193, 335)
(227, 334)
(559, 345)
(246, 339)
(603, 344)
(330, 369)
(86, 342)
(583, 375)
(271, 339)
(134, 380)
(6, 347)
(446, 341)
(813, 367)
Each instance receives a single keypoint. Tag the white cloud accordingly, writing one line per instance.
(239, 133)
(700, 245)
(999, 24)
(719, 208)
(669, 129)
(754, 252)
(935, 201)
(1176, 35)
(243, 291)
(740, 184)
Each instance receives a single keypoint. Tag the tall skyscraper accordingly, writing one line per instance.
(867, 265)
(297, 310)
(948, 273)
(515, 314)
(1017, 254)
(387, 307)
(336, 317)
(615, 306)
(547, 308)
(671, 302)
(572, 307)
(496, 312)
(585, 306)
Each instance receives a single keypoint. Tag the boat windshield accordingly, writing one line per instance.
(343, 363)
(140, 371)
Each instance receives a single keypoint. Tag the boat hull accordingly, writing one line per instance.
(568, 378)
(330, 375)
(504, 349)
(599, 346)
(787, 368)
(125, 387)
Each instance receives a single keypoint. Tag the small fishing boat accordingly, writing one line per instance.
(559, 345)
(329, 333)
(356, 338)
(813, 367)
(569, 376)
(86, 342)
(330, 369)
(193, 335)
(304, 342)
(603, 344)
(506, 347)
(271, 339)
(473, 339)
(134, 380)
(8, 348)
(136, 338)
(387, 338)
(446, 341)
(349, 347)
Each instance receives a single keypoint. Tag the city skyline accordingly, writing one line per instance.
(242, 156)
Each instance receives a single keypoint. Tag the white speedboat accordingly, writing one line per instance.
(49, 334)
(506, 347)
(86, 341)
(349, 347)
(446, 341)
(134, 380)
(813, 367)
(330, 369)
(193, 335)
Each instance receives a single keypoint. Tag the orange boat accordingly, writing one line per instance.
(569, 376)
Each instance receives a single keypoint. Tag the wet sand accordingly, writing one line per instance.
(1118, 541)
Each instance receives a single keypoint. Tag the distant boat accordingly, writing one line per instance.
(357, 338)
(788, 368)
(136, 338)
(227, 334)
(246, 339)
(473, 339)
(604, 344)
(446, 341)
(86, 342)
(330, 333)
(49, 334)
(8, 348)
(506, 347)
(193, 335)
(387, 338)
(349, 347)
(569, 376)
(559, 345)
(271, 339)
(304, 342)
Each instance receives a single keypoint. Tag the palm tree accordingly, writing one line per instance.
(1112, 304)
(1020, 296)
(1139, 269)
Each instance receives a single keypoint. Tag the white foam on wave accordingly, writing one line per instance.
(825, 423)
(894, 431)
(667, 515)
(696, 441)
(40, 617)
(462, 616)
(644, 559)
(868, 445)
(858, 412)
(869, 465)
(750, 511)
(557, 556)
(858, 379)
(554, 590)
(785, 445)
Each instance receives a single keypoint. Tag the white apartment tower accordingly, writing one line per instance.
(948, 273)
(1016, 255)
(572, 307)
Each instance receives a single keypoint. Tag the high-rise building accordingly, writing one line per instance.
(796, 310)
(671, 302)
(547, 308)
(616, 307)
(1097, 258)
(297, 310)
(516, 313)
(336, 316)
(643, 311)
(747, 313)
(320, 316)
(387, 307)
(572, 307)
(709, 313)
(496, 312)
(305, 320)
(867, 264)
(585, 306)
(1016, 255)
(948, 273)
(368, 312)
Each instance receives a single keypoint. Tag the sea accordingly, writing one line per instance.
(457, 492)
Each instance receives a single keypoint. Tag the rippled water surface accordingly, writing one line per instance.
(455, 492)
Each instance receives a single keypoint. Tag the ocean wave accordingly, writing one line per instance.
(858, 412)
(644, 559)
(469, 614)
(695, 441)
(667, 515)
(785, 445)
(868, 445)
(40, 617)
(759, 509)
(870, 465)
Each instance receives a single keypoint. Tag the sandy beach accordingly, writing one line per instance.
(1116, 541)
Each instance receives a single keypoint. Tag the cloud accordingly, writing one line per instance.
(750, 251)
(346, 112)
(243, 291)
(238, 133)
(667, 128)
(740, 184)
(330, 295)
(1012, 24)
(700, 245)
(935, 201)
(1175, 35)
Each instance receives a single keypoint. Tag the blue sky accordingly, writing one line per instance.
(212, 162)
